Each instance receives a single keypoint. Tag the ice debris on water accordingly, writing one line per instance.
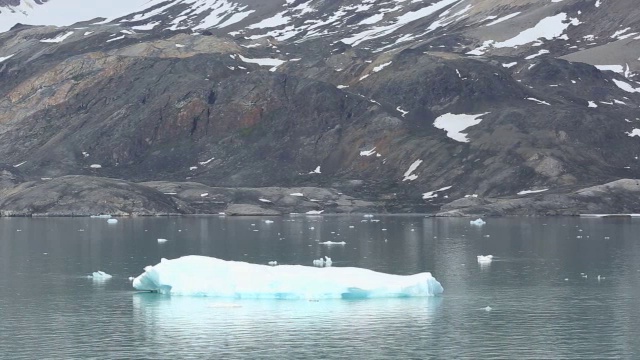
(205, 276)
(273, 263)
(100, 275)
(326, 262)
(161, 241)
(488, 308)
(477, 222)
(485, 258)
(333, 243)
(112, 221)
(268, 221)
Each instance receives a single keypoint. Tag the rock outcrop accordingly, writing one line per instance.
(426, 106)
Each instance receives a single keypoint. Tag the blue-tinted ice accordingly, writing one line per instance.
(206, 276)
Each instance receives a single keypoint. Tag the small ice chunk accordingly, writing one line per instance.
(100, 275)
(315, 212)
(477, 222)
(95, 166)
(266, 201)
(297, 194)
(162, 241)
(268, 221)
(112, 221)
(485, 258)
(204, 194)
(333, 243)
(488, 308)
(273, 263)
(131, 278)
(326, 262)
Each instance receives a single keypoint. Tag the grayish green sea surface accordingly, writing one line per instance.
(531, 301)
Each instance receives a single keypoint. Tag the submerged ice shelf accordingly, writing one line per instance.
(206, 276)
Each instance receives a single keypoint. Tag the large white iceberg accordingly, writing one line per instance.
(206, 276)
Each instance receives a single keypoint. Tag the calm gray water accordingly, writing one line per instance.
(49, 309)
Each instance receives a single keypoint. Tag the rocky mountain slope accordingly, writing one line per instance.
(441, 106)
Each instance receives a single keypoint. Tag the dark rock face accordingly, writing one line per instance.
(618, 197)
(77, 195)
(84, 196)
(9, 3)
(336, 108)
(9, 177)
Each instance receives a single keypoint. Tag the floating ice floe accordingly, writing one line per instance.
(314, 212)
(477, 222)
(112, 221)
(297, 194)
(206, 276)
(268, 221)
(95, 166)
(100, 275)
(161, 241)
(333, 243)
(488, 308)
(273, 263)
(265, 201)
(326, 262)
(485, 258)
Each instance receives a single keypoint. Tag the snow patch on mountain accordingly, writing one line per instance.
(58, 39)
(455, 124)
(67, 12)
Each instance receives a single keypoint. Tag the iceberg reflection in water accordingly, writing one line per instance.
(206, 276)
(250, 329)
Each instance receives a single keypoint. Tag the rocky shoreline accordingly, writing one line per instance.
(79, 195)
